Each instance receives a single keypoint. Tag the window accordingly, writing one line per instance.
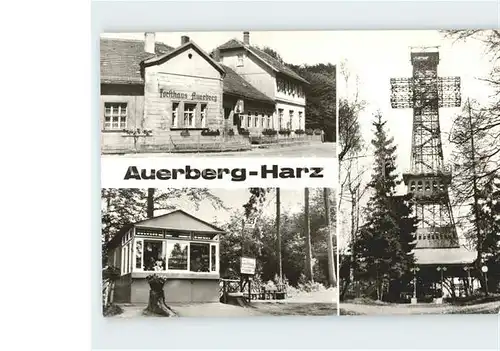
(177, 253)
(240, 60)
(189, 113)
(153, 258)
(203, 115)
(175, 114)
(291, 120)
(268, 121)
(138, 254)
(280, 118)
(300, 119)
(199, 260)
(249, 120)
(115, 116)
(256, 120)
(213, 258)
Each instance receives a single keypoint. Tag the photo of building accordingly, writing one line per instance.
(158, 98)
(182, 247)
(218, 252)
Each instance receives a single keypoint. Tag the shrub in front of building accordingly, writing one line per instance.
(309, 131)
(269, 132)
(243, 131)
(207, 132)
(185, 133)
(285, 132)
(299, 132)
(318, 132)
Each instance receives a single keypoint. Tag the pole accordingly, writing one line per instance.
(474, 185)
(307, 225)
(486, 282)
(331, 259)
(242, 238)
(414, 284)
(150, 203)
(278, 234)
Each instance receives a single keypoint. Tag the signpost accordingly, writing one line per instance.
(247, 268)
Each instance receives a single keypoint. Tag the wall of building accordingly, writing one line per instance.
(133, 96)
(185, 76)
(286, 116)
(251, 108)
(253, 70)
(178, 290)
(291, 95)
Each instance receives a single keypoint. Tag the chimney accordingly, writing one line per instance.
(246, 38)
(149, 42)
(184, 39)
(216, 55)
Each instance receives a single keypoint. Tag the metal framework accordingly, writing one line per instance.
(428, 178)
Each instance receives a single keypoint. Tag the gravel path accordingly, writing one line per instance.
(406, 309)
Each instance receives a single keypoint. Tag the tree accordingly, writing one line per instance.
(382, 248)
(476, 158)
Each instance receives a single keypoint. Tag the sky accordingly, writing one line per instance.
(307, 47)
(377, 56)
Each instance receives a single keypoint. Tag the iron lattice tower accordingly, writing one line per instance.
(428, 178)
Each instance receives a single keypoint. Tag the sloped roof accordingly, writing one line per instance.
(266, 58)
(444, 256)
(181, 222)
(236, 85)
(175, 225)
(178, 50)
(121, 59)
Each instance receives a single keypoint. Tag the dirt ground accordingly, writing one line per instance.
(350, 308)
(321, 303)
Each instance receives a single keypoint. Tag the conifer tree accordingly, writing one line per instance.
(383, 247)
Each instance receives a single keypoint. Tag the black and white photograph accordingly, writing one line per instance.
(198, 252)
(419, 158)
(217, 93)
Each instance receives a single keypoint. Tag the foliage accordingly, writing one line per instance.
(269, 132)
(138, 132)
(230, 132)
(382, 248)
(261, 241)
(243, 131)
(309, 131)
(321, 98)
(208, 132)
(299, 131)
(185, 133)
(284, 132)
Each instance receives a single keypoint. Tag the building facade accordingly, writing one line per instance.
(156, 98)
(178, 246)
(278, 82)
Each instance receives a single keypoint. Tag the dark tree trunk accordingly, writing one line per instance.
(156, 303)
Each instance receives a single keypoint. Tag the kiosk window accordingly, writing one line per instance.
(199, 260)
(154, 260)
(177, 256)
(213, 259)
